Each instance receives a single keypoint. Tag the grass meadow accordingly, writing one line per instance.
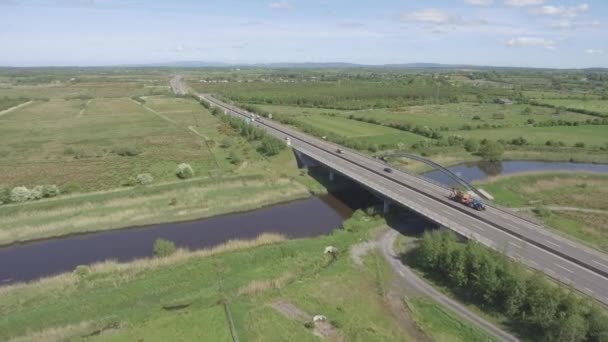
(129, 301)
(579, 190)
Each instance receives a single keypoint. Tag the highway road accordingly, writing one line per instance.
(525, 240)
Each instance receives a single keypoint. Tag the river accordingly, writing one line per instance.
(478, 171)
(310, 217)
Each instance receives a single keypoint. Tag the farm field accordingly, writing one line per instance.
(454, 116)
(359, 130)
(74, 142)
(578, 190)
(598, 106)
(589, 135)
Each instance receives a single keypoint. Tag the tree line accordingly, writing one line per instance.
(532, 304)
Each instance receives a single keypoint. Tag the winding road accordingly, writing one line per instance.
(406, 275)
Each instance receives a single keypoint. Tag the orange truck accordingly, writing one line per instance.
(466, 199)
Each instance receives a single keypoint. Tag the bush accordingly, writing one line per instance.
(184, 171)
(5, 196)
(491, 151)
(579, 144)
(498, 116)
(271, 146)
(226, 142)
(36, 192)
(51, 190)
(235, 158)
(163, 248)
(471, 145)
(144, 178)
(542, 212)
(82, 271)
(476, 117)
(126, 151)
(70, 187)
(20, 194)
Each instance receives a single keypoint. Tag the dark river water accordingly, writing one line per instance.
(477, 171)
(310, 217)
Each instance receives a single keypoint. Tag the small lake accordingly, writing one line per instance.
(309, 217)
(478, 171)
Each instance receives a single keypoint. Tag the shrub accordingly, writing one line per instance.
(542, 212)
(226, 142)
(579, 144)
(163, 248)
(20, 194)
(498, 116)
(36, 192)
(184, 171)
(144, 178)
(126, 151)
(471, 145)
(69, 151)
(85, 154)
(82, 271)
(5, 196)
(235, 158)
(491, 151)
(70, 187)
(476, 117)
(271, 146)
(51, 190)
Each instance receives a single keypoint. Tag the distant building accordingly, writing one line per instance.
(503, 100)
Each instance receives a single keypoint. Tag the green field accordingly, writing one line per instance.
(589, 135)
(454, 116)
(169, 202)
(126, 301)
(579, 190)
(359, 130)
(598, 106)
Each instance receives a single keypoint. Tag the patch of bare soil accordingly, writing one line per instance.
(323, 329)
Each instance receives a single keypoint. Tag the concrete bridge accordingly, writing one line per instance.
(511, 233)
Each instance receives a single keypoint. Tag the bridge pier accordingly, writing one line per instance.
(386, 206)
(331, 175)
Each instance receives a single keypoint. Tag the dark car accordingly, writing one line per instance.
(388, 169)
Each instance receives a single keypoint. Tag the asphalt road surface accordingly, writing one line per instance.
(525, 240)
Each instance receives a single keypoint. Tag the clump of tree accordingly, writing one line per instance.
(163, 248)
(491, 150)
(271, 146)
(532, 304)
(144, 178)
(126, 151)
(184, 171)
(21, 194)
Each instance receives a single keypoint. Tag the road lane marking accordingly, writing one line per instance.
(588, 289)
(599, 263)
(514, 244)
(562, 267)
(478, 227)
(554, 244)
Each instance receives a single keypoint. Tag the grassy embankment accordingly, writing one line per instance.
(579, 190)
(142, 299)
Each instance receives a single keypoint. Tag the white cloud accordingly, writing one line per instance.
(283, 4)
(532, 41)
(479, 2)
(522, 3)
(562, 11)
(431, 16)
(575, 24)
(594, 51)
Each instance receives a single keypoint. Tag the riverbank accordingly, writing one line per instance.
(265, 285)
(460, 157)
(568, 189)
(170, 202)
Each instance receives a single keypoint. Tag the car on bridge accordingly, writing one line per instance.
(339, 151)
(388, 169)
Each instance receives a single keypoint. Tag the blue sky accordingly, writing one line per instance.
(535, 33)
